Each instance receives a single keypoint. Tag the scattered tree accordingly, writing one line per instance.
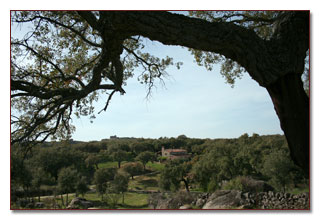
(67, 180)
(133, 168)
(175, 172)
(82, 186)
(90, 52)
(120, 184)
(101, 178)
(39, 177)
(120, 156)
(93, 160)
(145, 157)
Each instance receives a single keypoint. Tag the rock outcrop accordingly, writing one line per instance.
(80, 203)
(224, 199)
(230, 199)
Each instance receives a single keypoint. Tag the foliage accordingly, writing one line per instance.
(82, 186)
(133, 168)
(68, 59)
(145, 157)
(215, 164)
(256, 156)
(21, 175)
(119, 184)
(61, 61)
(93, 160)
(173, 173)
(139, 147)
(277, 166)
(244, 184)
(258, 21)
(40, 177)
(53, 159)
(101, 178)
(119, 153)
(67, 180)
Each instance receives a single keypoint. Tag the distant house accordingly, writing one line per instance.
(174, 153)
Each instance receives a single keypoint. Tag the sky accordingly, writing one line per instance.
(194, 102)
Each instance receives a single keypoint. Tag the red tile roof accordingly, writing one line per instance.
(175, 150)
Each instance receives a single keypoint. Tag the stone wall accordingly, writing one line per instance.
(230, 199)
(271, 200)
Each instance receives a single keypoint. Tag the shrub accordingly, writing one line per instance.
(212, 186)
(246, 184)
(234, 184)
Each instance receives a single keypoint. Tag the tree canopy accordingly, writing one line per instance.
(68, 59)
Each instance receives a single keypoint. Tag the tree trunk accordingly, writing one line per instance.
(62, 202)
(119, 164)
(186, 184)
(292, 107)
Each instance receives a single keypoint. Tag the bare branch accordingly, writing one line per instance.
(108, 101)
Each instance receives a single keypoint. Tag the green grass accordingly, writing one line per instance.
(131, 201)
(145, 182)
(134, 201)
(296, 191)
(155, 166)
(151, 166)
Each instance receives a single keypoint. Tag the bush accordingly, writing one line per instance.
(112, 199)
(234, 184)
(212, 186)
(162, 159)
(247, 184)
(181, 198)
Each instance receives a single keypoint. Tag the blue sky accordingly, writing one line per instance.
(194, 102)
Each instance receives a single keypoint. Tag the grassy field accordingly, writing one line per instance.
(299, 190)
(155, 166)
(133, 199)
(151, 166)
(146, 182)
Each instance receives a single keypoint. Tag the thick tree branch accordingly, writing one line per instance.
(90, 18)
(237, 43)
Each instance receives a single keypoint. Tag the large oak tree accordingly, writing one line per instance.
(67, 58)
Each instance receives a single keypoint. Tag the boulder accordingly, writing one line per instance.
(187, 206)
(200, 202)
(39, 205)
(79, 203)
(224, 199)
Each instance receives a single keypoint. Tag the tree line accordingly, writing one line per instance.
(233, 163)
(57, 168)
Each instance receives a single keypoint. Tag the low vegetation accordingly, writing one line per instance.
(123, 173)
